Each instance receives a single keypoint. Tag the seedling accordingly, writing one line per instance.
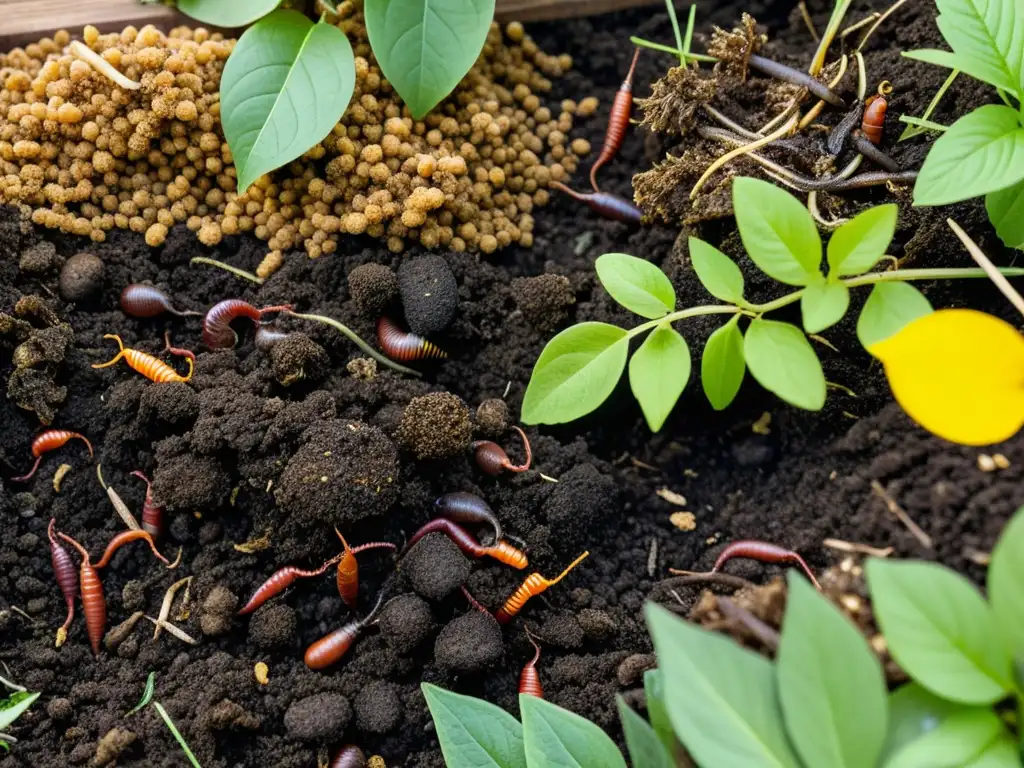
(11, 708)
(147, 694)
(176, 734)
(579, 368)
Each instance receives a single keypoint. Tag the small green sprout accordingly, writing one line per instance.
(147, 694)
(177, 734)
(11, 708)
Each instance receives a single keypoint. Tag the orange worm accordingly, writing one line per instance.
(873, 122)
(492, 459)
(329, 649)
(529, 679)
(151, 367)
(533, 586)
(404, 346)
(152, 513)
(67, 580)
(126, 537)
(501, 550)
(48, 441)
(618, 121)
(93, 603)
(348, 569)
(279, 582)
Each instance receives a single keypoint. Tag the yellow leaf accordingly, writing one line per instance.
(959, 374)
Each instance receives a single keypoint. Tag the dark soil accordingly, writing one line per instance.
(275, 450)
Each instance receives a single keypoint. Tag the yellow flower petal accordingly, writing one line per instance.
(959, 374)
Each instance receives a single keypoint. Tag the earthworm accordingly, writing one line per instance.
(127, 537)
(501, 550)
(867, 148)
(873, 122)
(329, 649)
(349, 756)
(217, 331)
(152, 368)
(492, 459)
(152, 513)
(837, 139)
(48, 441)
(67, 580)
(533, 586)
(279, 582)
(796, 77)
(765, 553)
(177, 350)
(618, 121)
(348, 568)
(604, 203)
(860, 181)
(473, 601)
(141, 300)
(529, 679)
(462, 507)
(94, 606)
(403, 345)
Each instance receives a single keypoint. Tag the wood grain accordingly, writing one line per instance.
(24, 21)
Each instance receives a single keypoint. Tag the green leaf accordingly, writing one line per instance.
(636, 284)
(856, 246)
(474, 733)
(940, 630)
(1006, 212)
(227, 13)
(425, 47)
(284, 87)
(721, 697)
(1001, 753)
(987, 37)
(14, 706)
(722, 365)
(147, 694)
(556, 737)
(956, 742)
(934, 56)
(716, 271)
(645, 751)
(575, 373)
(654, 693)
(1006, 583)
(823, 304)
(913, 712)
(831, 686)
(889, 307)
(981, 152)
(782, 360)
(658, 373)
(779, 234)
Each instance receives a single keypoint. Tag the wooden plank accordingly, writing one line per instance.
(24, 21)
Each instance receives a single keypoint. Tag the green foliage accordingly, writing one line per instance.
(14, 706)
(425, 47)
(1006, 212)
(284, 87)
(823, 305)
(176, 734)
(1006, 585)
(636, 284)
(717, 272)
(227, 13)
(657, 711)
(889, 307)
(722, 366)
(658, 373)
(474, 733)
(960, 740)
(147, 694)
(856, 246)
(782, 360)
(557, 737)
(913, 712)
(644, 747)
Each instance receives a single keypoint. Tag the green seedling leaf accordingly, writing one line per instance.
(176, 734)
(783, 361)
(987, 37)
(913, 712)
(779, 234)
(654, 693)
(823, 304)
(557, 737)
(934, 56)
(856, 246)
(658, 373)
(1006, 212)
(716, 271)
(636, 284)
(147, 694)
(425, 47)
(1006, 583)
(284, 87)
(5, 746)
(889, 307)
(644, 748)
(721, 698)
(981, 152)
(575, 373)
(473, 732)
(14, 706)
(940, 630)
(831, 686)
(958, 741)
(722, 365)
(227, 13)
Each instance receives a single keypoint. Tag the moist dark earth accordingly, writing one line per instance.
(238, 456)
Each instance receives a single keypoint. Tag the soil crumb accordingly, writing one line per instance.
(272, 626)
(373, 288)
(406, 623)
(435, 567)
(436, 426)
(492, 418)
(321, 717)
(378, 707)
(470, 643)
(81, 278)
(430, 295)
(544, 300)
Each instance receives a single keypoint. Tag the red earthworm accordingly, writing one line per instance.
(873, 153)
(604, 203)
(127, 537)
(462, 507)
(404, 346)
(152, 513)
(217, 331)
(501, 550)
(472, 600)
(151, 367)
(765, 553)
(329, 649)
(67, 580)
(618, 121)
(790, 75)
(533, 586)
(141, 300)
(349, 756)
(529, 679)
(279, 582)
(177, 350)
(873, 122)
(48, 441)
(492, 459)
(93, 603)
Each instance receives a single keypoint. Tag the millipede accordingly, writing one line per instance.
(149, 366)
(529, 678)
(405, 346)
(534, 585)
(152, 513)
(217, 331)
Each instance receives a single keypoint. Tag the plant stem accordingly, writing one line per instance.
(670, 6)
(355, 338)
(912, 130)
(669, 49)
(838, 13)
(986, 264)
(688, 35)
(227, 267)
(921, 125)
(177, 734)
